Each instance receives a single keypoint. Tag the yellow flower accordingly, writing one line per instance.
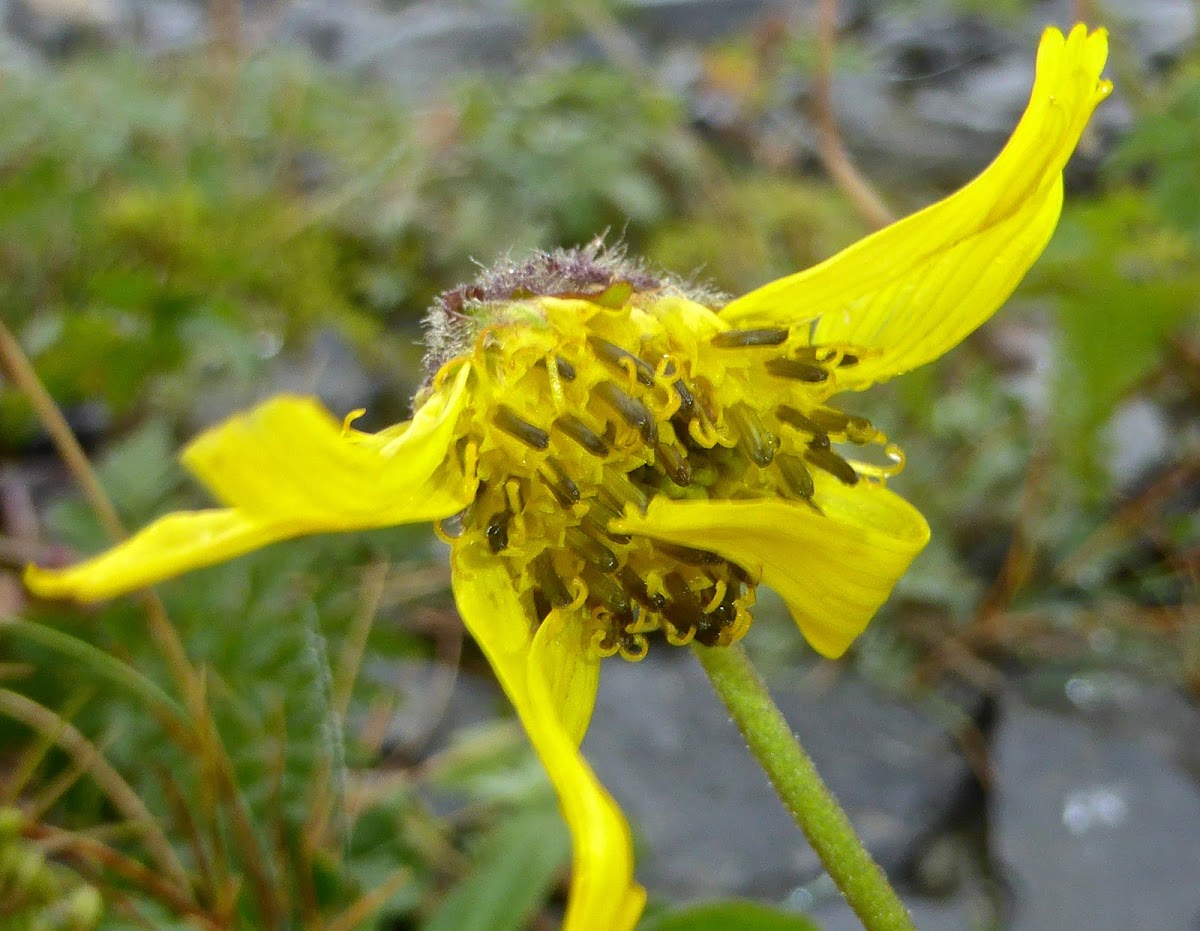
(612, 456)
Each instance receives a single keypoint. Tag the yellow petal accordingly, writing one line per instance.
(912, 291)
(287, 469)
(833, 569)
(291, 459)
(603, 896)
(171, 545)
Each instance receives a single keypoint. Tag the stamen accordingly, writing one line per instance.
(677, 637)
(797, 370)
(549, 581)
(755, 440)
(602, 514)
(561, 485)
(622, 360)
(511, 423)
(595, 526)
(742, 339)
(688, 554)
(634, 647)
(796, 475)
(635, 586)
(592, 550)
(687, 400)
(601, 645)
(497, 531)
(799, 420)
(674, 463)
(624, 491)
(605, 590)
(820, 455)
(632, 411)
(565, 368)
(582, 434)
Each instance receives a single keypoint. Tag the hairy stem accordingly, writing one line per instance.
(802, 790)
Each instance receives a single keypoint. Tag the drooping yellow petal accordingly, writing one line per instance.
(286, 469)
(833, 569)
(168, 547)
(910, 292)
(289, 458)
(552, 702)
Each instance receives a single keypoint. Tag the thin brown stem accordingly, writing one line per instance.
(833, 154)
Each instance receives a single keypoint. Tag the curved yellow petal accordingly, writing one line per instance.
(287, 469)
(289, 458)
(551, 703)
(912, 291)
(171, 545)
(833, 569)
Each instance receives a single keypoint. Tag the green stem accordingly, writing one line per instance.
(806, 796)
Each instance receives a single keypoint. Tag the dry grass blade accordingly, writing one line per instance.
(356, 637)
(44, 721)
(370, 903)
(89, 852)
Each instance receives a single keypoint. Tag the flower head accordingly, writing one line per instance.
(616, 458)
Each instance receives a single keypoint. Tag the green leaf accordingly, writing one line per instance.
(517, 865)
(734, 915)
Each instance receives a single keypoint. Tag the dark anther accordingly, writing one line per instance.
(739, 339)
(541, 604)
(620, 359)
(819, 442)
(565, 368)
(561, 484)
(623, 491)
(595, 526)
(582, 434)
(687, 401)
(797, 369)
(635, 585)
(601, 513)
(674, 463)
(754, 438)
(831, 462)
(797, 476)
(742, 575)
(497, 531)
(592, 550)
(830, 421)
(688, 554)
(508, 421)
(848, 358)
(549, 581)
(632, 411)
(800, 421)
(604, 590)
(683, 608)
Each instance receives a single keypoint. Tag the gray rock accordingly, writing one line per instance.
(57, 27)
(423, 45)
(168, 25)
(666, 749)
(1094, 814)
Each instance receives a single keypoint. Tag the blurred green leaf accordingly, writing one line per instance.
(516, 866)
